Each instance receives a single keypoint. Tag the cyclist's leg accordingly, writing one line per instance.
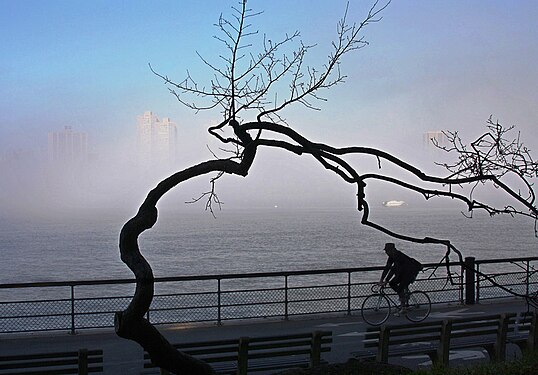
(407, 280)
(397, 285)
(405, 295)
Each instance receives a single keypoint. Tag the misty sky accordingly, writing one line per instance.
(430, 65)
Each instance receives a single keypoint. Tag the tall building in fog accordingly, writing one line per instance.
(68, 147)
(66, 177)
(156, 141)
(436, 136)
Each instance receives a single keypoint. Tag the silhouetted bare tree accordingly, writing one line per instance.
(245, 91)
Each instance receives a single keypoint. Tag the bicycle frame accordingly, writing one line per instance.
(389, 296)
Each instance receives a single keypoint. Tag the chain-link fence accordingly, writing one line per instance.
(75, 306)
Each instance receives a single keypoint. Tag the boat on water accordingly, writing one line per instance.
(393, 203)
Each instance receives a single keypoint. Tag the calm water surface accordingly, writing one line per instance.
(194, 243)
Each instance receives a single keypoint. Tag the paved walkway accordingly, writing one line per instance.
(125, 357)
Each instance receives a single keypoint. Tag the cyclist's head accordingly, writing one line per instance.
(389, 248)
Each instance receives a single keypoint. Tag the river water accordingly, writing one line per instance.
(192, 242)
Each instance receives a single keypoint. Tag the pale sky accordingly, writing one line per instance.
(430, 65)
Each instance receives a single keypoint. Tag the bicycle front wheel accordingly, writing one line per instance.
(375, 309)
(419, 306)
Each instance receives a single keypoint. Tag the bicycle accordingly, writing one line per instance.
(376, 308)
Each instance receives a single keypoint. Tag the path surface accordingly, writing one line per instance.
(125, 357)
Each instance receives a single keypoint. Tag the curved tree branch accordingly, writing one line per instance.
(332, 153)
(131, 323)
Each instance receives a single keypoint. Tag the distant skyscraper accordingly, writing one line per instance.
(66, 177)
(67, 146)
(157, 140)
(437, 135)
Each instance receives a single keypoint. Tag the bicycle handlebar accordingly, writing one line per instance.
(377, 287)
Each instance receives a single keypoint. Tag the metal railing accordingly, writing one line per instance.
(515, 276)
(78, 305)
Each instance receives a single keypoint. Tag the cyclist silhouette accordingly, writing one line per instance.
(400, 271)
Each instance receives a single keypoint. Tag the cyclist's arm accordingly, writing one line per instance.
(389, 275)
(388, 271)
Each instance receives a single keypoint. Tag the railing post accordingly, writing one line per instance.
(478, 282)
(219, 319)
(462, 283)
(286, 312)
(527, 278)
(349, 293)
(470, 281)
(73, 309)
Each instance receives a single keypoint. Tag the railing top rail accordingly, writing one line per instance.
(505, 260)
(203, 277)
(73, 283)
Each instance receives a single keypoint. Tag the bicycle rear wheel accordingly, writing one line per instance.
(419, 306)
(375, 309)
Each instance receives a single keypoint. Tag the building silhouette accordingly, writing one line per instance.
(66, 175)
(432, 138)
(68, 147)
(156, 141)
